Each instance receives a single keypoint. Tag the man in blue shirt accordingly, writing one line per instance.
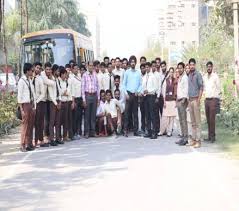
(132, 85)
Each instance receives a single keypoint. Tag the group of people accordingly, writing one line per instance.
(54, 100)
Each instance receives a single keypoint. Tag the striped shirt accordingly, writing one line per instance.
(89, 84)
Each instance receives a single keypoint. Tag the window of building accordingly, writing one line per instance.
(193, 5)
(183, 42)
(172, 43)
(194, 42)
(193, 24)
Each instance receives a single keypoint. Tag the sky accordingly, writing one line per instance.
(125, 24)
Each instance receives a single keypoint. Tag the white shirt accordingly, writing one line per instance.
(182, 90)
(64, 88)
(69, 81)
(100, 109)
(39, 89)
(24, 95)
(107, 81)
(122, 105)
(162, 80)
(120, 73)
(100, 77)
(76, 86)
(111, 107)
(50, 88)
(212, 86)
(150, 83)
(158, 82)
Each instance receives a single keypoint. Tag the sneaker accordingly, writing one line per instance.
(53, 143)
(197, 145)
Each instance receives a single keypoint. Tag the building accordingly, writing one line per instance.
(179, 25)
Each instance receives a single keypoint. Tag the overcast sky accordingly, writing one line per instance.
(125, 24)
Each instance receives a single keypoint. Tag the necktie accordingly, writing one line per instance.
(30, 90)
(110, 82)
(57, 90)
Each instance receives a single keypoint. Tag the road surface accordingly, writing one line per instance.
(109, 174)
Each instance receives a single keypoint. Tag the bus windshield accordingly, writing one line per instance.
(57, 51)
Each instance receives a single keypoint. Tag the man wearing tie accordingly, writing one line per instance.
(109, 79)
(132, 85)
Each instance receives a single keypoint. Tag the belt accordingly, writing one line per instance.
(211, 98)
(130, 93)
(90, 94)
(181, 99)
(193, 98)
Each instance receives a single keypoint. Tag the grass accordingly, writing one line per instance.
(226, 139)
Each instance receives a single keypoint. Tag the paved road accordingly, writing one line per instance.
(119, 175)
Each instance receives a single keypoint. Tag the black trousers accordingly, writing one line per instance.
(158, 108)
(131, 107)
(151, 114)
(77, 116)
(90, 113)
(143, 111)
(70, 121)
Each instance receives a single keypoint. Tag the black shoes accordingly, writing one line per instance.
(147, 135)
(53, 143)
(59, 142)
(44, 145)
(137, 134)
(183, 143)
(154, 136)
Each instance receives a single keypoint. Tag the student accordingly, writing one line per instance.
(78, 107)
(132, 86)
(100, 75)
(113, 113)
(149, 91)
(182, 103)
(40, 104)
(65, 92)
(90, 95)
(106, 60)
(142, 101)
(169, 91)
(117, 96)
(101, 121)
(143, 60)
(52, 104)
(27, 104)
(118, 71)
(195, 90)
(109, 78)
(212, 94)
(125, 64)
(113, 63)
(158, 63)
(56, 74)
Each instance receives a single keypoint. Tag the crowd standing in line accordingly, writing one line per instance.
(64, 103)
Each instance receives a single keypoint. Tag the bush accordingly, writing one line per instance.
(8, 106)
(230, 106)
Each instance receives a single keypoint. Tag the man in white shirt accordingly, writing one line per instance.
(118, 70)
(142, 99)
(101, 120)
(99, 74)
(212, 94)
(64, 93)
(109, 78)
(52, 104)
(78, 108)
(113, 113)
(40, 104)
(149, 91)
(182, 103)
(26, 101)
(157, 104)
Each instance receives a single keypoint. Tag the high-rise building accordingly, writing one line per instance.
(179, 25)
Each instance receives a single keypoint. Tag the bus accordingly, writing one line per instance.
(57, 46)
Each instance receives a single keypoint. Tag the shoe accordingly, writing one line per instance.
(125, 134)
(23, 149)
(137, 134)
(169, 135)
(154, 136)
(44, 145)
(192, 143)
(197, 145)
(179, 141)
(183, 143)
(59, 142)
(53, 143)
(147, 135)
(87, 136)
(29, 148)
(160, 134)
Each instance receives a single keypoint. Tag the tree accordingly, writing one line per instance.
(215, 45)
(24, 14)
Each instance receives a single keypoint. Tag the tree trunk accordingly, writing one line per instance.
(24, 16)
(0, 17)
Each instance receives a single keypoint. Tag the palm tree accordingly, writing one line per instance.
(24, 16)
